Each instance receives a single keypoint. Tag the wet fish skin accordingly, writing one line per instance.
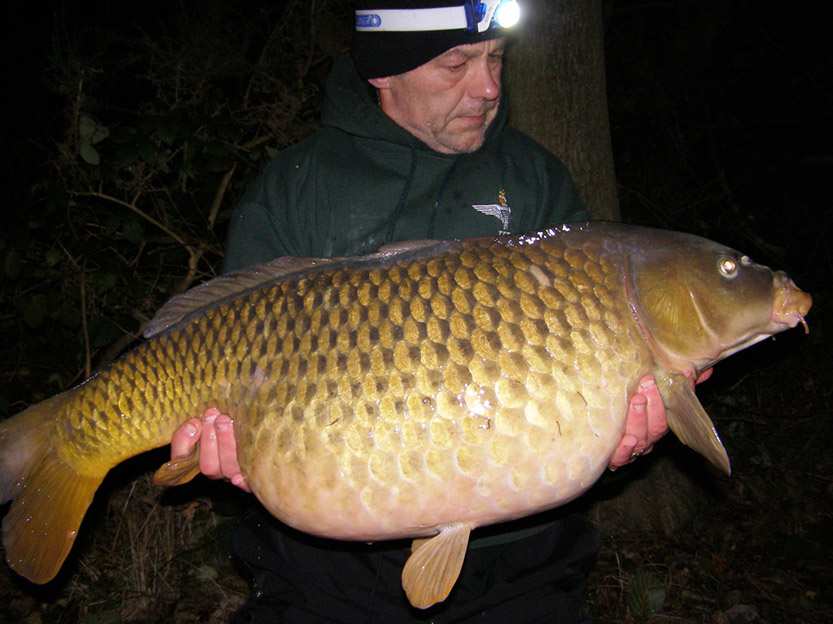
(450, 409)
(433, 387)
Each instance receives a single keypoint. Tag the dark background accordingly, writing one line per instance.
(721, 124)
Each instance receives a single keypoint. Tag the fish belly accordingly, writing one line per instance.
(479, 386)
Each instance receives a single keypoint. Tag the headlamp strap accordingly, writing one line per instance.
(411, 20)
(472, 15)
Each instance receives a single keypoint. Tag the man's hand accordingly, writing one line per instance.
(218, 449)
(645, 422)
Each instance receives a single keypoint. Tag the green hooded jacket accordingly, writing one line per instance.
(361, 181)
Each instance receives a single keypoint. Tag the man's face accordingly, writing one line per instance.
(450, 101)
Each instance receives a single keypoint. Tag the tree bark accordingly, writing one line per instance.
(556, 82)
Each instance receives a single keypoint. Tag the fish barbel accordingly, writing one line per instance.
(421, 392)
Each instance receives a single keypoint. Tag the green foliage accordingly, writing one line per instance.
(646, 596)
(90, 133)
(168, 113)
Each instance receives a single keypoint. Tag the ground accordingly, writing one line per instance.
(759, 548)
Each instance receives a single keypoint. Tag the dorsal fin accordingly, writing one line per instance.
(405, 246)
(229, 286)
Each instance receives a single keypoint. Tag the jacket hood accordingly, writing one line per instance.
(350, 105)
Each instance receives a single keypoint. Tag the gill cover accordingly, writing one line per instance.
(699, 300)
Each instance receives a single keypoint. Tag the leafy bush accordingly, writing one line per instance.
(167, 114)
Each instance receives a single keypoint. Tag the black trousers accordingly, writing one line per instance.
(303, 579)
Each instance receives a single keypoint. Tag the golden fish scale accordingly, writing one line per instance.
(477, 385)
(374, 402)
(135, 404)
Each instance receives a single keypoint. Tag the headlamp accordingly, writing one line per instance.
(472, 15)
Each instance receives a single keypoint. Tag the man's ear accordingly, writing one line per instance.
(380, 83)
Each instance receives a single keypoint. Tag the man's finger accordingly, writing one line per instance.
(226, 446)
(656, 421)
(186, 437)
(623, 452)
(209, 455)
(636, 421)
(705, 375)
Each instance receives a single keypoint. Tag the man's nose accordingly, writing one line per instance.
(485, 82)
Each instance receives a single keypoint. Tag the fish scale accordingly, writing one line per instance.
(492, 298)
(423, 391)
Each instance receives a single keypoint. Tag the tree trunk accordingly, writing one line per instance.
(556, 83)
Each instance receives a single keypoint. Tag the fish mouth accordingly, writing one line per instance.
(791, 304)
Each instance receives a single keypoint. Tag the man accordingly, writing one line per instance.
(413, 145)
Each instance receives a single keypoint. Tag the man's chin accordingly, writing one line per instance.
(464, 143)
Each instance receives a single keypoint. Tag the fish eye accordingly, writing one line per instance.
(727, 266)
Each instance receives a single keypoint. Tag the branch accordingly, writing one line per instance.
(194, 256)
(218, 196)
(82, 272)
(88, 358)
(138, 211)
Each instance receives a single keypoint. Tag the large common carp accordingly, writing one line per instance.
(419, 392)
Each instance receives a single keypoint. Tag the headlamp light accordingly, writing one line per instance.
(472, 15)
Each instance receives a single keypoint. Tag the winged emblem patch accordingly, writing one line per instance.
(500, 211)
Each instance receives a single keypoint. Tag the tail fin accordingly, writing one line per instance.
(49, 496)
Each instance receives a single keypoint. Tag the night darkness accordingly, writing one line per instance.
(722, 125)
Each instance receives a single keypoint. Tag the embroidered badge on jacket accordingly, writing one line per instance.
(501, 211)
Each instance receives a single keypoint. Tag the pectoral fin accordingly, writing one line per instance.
(689, 421)
(180, 469)
(433, 568)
